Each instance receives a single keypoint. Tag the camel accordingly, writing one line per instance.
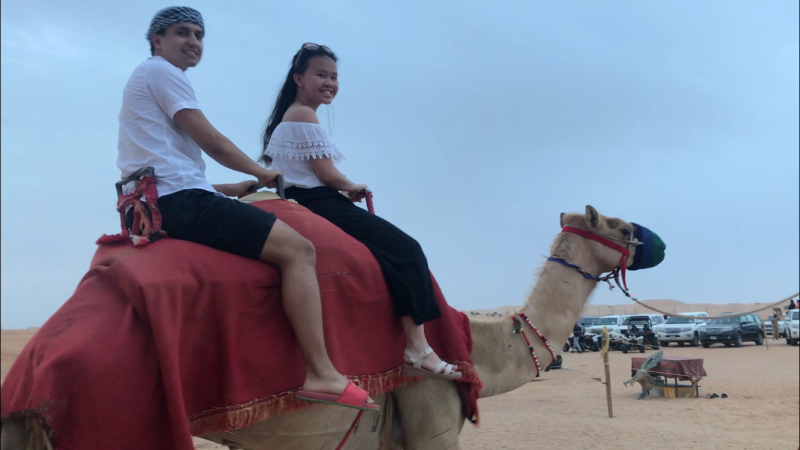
(429, 414)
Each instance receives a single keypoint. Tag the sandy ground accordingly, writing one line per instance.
(567, 409)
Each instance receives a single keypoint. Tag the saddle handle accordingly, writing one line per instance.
(134, 177)
(370, 208)
(278, 181)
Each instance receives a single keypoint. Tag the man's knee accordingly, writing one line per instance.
(286, 246)
(302, 250)
(295, 250)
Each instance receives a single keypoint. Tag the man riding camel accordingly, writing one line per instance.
(161, 125)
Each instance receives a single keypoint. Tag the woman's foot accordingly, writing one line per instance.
(431, 365)
(420, 359)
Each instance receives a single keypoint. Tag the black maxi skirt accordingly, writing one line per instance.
(402, 261)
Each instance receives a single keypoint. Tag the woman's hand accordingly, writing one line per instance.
(357, 193)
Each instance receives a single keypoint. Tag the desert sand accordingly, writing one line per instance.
(566, 409)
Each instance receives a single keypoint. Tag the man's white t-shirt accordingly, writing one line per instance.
(148, 136)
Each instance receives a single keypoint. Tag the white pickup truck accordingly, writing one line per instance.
(680, 329)
(790, 326)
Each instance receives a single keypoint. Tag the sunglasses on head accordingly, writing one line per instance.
(312, 47)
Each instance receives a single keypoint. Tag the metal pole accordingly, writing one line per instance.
(764, 331)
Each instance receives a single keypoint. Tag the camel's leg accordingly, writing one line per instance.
(430, 415)
(23, 433)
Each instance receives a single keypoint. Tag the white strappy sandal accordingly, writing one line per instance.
(442, 371)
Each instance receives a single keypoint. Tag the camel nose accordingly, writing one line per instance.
(651, 252)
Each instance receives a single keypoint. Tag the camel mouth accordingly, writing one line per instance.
(652, 251)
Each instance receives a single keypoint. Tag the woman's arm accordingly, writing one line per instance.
(323, 167)
(330, 175)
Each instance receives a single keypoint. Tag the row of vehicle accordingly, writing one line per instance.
(626, 332)
(652, 330)
(735, 330)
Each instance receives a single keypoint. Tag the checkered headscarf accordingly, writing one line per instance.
(172, 15)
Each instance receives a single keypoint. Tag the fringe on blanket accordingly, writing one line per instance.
(236, 417)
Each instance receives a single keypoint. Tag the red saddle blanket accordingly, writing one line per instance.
(175, 339)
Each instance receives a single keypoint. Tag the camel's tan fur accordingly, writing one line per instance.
(428, 414)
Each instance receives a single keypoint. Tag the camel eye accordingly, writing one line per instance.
(626, 233)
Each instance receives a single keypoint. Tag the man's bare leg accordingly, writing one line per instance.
(295, 256)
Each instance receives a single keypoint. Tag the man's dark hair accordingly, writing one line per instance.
(152, 48)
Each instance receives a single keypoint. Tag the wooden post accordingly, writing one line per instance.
(608, 385)
(764, 330)
(604, 352)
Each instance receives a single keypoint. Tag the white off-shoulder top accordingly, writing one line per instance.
(293, 145)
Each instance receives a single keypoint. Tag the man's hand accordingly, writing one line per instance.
(267, 177)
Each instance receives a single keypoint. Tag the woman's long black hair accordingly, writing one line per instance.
(288, 93)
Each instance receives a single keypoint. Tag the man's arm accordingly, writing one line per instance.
(234, 189)
(220, 148)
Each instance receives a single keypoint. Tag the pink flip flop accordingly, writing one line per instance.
(352, 397)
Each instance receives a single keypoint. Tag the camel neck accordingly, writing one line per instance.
(502, 358)
(560, 293)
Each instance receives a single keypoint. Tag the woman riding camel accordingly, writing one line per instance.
(296, 144)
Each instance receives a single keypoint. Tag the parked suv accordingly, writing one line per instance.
(681, 329)
(790, 327)
(734, 330)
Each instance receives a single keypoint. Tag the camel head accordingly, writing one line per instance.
(591, 243)
(646, 248)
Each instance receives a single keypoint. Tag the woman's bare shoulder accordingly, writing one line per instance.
(300, 113)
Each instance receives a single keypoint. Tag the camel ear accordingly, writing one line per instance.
(562, 220)
(592, 217)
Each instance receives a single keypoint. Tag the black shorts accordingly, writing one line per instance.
(222, 223)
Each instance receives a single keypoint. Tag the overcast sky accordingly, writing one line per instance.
(475, 124)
